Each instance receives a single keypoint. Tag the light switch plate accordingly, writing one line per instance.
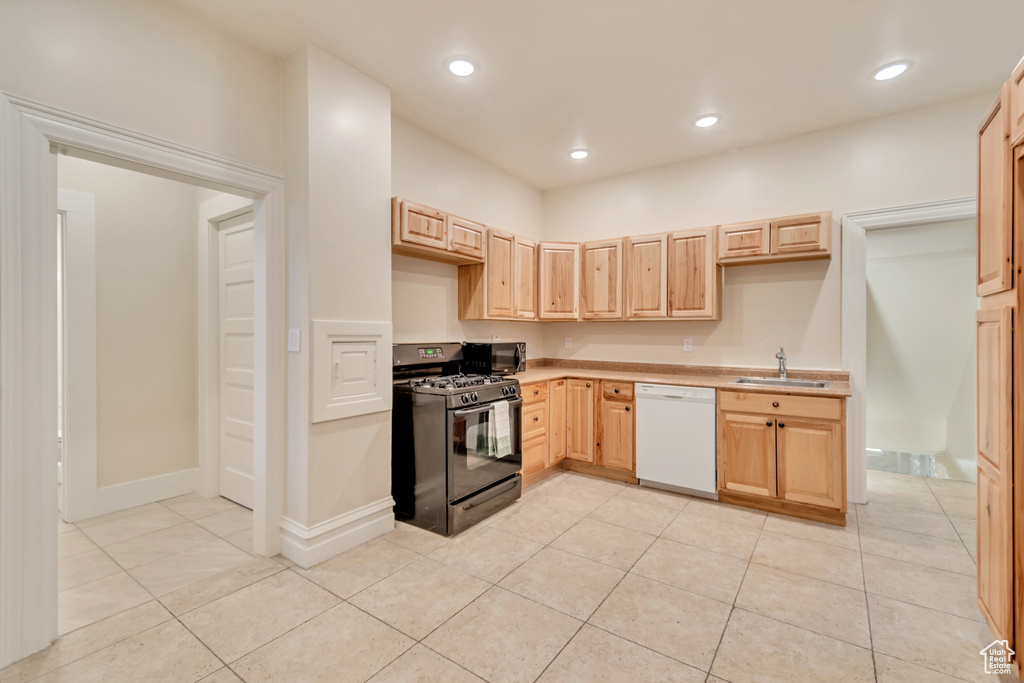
(568, 342)
(687, 344)
(294, 339)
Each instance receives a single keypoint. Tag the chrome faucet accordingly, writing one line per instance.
(781, 355)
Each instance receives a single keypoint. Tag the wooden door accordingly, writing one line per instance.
(466, 237)
(500, 274)
(556, 421)
(558, 269)
(646, 276)
(743, 240)
(237, 373)
(806, 234)
(995, 200)
(617, 435)
(1017, 104)
(809, 462)
(601, 280)
(525, 297)
(694, 276)
(421, 225)
(995, 473)
(580, 423)
(746, 454)
(534, 416)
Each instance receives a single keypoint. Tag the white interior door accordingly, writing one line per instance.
(236, 271)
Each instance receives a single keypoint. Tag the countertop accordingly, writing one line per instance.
(694, 376)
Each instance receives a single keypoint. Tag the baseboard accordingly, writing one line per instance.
(133, 493)
(306, 546)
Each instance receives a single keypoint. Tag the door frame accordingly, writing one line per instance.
(855, 227)
(212, 213)
(31, 134)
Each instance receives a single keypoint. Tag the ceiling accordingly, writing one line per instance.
(626, 79)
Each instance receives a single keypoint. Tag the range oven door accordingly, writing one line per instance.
(476, 458)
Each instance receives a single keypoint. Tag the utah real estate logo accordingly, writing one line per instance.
(997, 657)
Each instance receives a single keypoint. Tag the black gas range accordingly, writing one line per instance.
(456, 451)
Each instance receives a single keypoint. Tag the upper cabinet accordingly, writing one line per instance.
(694, 276)
(601, 280)
(792, 238)
(504, 286)
(418, 230)
(558, 275)
(995, 199)
(1017, 104)
(647, 268)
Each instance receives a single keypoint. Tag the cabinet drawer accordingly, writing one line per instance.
(781, 404)
(535, 393)
(618, 391)
(535, 420)
(534, 455)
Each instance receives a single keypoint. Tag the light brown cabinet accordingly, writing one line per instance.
(601, 284)
(558, 277)
(694, 281)
(504, 286)
(616, 431)
(580, 420)
(557, 418)
(783, 453)
(791, 238)
(995, 199)
(646, 275)
(418, 230)
(1017, 104)
(543, 428)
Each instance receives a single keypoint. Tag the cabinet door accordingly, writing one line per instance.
(601, 280)
(995, 203)
(1017, 104)
(499, 273)
(534, 455)
(466, 238)
(617, 435)
(525, 299)
(558, 266)
(422, 225)
(807, 234)
(694, 276)
(746, 454)
(646, 276)
(995, 475)
(580, 432)
(743, 240)
(556, 421)
(809, 462)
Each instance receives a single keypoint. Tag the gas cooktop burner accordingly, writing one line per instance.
(451, 382)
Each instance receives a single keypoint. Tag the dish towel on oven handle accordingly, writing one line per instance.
(502, 432)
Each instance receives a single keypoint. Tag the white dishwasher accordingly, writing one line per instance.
(675, 438)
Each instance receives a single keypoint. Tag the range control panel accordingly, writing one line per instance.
(432, 352)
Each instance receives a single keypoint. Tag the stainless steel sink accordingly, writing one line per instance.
(788, 382)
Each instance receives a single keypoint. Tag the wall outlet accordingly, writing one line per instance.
(495, 338)
(687, 344)
(568, 342)
(294, 339)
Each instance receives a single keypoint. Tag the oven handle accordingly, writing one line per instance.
(494, 493)
(474, 411)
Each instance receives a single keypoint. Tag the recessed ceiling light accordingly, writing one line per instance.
(706, 121)
(579, 154)
(461, 67)
(890, 71)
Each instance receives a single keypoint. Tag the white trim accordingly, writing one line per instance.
(142, 491)
(80, 431)
(855, 227)
(212, 213)
(326, 334)
(306, 546)
(28, 336)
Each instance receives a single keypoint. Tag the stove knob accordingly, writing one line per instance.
(465, 398)
(473, 396)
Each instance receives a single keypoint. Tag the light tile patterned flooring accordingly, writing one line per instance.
(582, 580)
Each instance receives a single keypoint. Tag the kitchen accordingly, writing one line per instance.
(690, 555)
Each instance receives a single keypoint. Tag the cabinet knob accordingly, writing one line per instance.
(616, 391)
(627, 409)
(535, 419)
(767, 424)
(775, 404)
(537, 391)
(781, 425)
(588, 385)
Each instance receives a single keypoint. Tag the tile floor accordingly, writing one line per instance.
(582, 580)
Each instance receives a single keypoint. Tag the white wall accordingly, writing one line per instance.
(920, 338)
(425, 293)
(145, 320)
(148, 66)
(914, 157)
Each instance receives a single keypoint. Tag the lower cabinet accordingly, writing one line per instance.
(543, 425)
(616, 433)
(557, 396)
(580, 420)
(790, 454)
